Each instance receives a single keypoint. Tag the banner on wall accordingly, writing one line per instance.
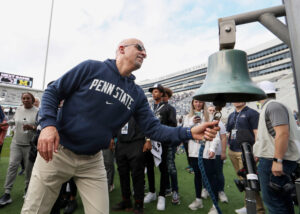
(16, 80)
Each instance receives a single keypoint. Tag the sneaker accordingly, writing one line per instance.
(71, 207)
(222, 196)
(5, 199)
(168, 192)
(124, 205)
(150, 197)
(161, 203)
(213, 210)
(242, 210)
(204, 193)
(175, 198)
(138, 208)
(196, 204)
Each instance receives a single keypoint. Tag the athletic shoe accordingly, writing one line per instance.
(242, 210)
(213, 210)
(71, 207)
(124, 205)
(5, 199)
(175, 198)
(168, 192)
(161, 203)
(196, 204)
(150, 197)
(204, 193)
(222, 196)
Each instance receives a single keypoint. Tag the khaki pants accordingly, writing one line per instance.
(89, 175)
(236, 160)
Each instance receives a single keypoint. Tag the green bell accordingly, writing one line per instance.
(228, 80)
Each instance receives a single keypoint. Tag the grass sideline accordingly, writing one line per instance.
(186, 190)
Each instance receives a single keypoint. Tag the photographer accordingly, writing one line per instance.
(243, 118)
(277, 152)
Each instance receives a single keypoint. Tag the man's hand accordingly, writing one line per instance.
(277, 169)
(147, 146)
(3, 124)
(205, 131)
(112, 145)
(48, 142)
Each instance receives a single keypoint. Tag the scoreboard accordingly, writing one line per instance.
(16, 80)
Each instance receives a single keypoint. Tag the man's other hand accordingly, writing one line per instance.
(48, 142)
(112, 145)
(205, 131)
(147, 146)
(277, 169)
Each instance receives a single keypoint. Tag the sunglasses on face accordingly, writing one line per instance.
(137, 46)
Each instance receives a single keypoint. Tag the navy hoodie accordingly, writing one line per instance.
(97, 102)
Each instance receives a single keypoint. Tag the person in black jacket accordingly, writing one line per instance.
(129, 152)
(172, 171)
(164, 112)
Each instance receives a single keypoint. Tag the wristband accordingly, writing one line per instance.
(189, 134)
(277, 160)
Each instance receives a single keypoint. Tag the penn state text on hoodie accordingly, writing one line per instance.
(97, 102)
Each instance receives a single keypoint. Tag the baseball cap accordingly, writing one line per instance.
(157, 86)
(267, 86)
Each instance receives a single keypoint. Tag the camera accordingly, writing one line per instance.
(288, 188)
(246, 140)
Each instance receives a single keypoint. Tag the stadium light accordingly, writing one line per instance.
(48, 42)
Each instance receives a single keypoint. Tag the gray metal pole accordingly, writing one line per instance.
(265, 16)
(275, 26)
(292, 15)
(48, 41)
(253, 16)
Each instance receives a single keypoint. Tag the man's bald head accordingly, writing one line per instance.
(130, 55)
(129, 41)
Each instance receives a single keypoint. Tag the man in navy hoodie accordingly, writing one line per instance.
(99, 99)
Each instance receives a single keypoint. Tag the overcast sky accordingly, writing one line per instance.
(178, 34)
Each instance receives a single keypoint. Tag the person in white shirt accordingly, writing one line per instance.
(198, 115)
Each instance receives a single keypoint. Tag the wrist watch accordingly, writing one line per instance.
(277, 160)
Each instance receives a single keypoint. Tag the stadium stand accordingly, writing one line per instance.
(269, 61)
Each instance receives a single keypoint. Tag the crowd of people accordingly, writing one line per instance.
(95, 114)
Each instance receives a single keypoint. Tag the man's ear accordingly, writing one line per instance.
(121, 49)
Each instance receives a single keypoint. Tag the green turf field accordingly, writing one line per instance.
(186, 190)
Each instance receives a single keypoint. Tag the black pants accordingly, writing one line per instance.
(163, 171)
(130, 158)
(197, 176)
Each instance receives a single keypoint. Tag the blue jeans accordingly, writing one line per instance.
(172, 171)
(276, 203)
(220, 175)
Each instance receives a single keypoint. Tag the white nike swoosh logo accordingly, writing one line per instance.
(108, 103)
